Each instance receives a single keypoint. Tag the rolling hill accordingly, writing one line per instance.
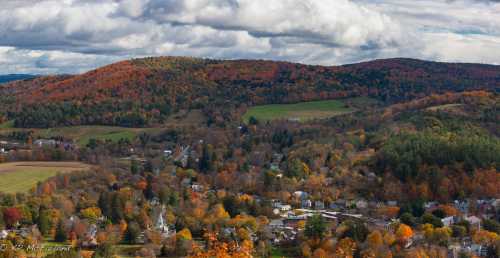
(146, 91)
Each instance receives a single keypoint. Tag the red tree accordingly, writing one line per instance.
(11, 216)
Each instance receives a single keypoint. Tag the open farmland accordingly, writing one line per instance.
(82, 134)
(302, 111)
(22, 176)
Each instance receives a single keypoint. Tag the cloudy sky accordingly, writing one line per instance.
(72, 36)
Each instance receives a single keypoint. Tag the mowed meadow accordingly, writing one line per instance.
(22, 176)
(82, 134)
(301, 112)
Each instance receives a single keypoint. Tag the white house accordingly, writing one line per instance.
(448, 221)
(197, 187)
(306, 203)
(161, 225)
(300, 194)
(276, 223)
(167, 153)
(361, 204)
(392, 203)
(319, 205)
(3, 234)
(44, 142)
(284, 207)
(462, 206)
(430, 205)
(496, 203)
(474, 221)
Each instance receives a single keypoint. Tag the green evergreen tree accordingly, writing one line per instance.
(132, 233)
(104, 204)
(206, 158)
(44, 222)
(134, 167)
(117, 206)
(315, 227)
(61, 234)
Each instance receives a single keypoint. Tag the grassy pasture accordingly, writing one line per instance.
(82, 134)
(22, 176)
(302, 111)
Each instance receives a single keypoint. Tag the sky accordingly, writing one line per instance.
(74, 36)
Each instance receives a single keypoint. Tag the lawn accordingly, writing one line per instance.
(302, 111)
(82, 134)
(113, 136)
(22, 176)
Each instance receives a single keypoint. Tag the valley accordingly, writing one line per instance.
(249, 129)
(187, 157)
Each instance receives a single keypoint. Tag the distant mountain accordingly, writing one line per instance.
(146, 91)
(15, 77)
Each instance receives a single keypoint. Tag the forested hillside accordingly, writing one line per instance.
(399, 162)
(147, 91)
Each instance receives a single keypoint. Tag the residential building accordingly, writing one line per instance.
(448, 221)
(319, 205)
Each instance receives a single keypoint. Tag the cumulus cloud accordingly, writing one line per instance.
(62, 36)
(13, 60)
(340, 22)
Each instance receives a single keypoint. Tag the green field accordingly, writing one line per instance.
(22, 176)
(82, 134)
(302, 111)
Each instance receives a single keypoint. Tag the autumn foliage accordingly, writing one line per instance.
(146, 91)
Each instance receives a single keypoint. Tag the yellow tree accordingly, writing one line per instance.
(91, 213)
(226, 250)
(320, 253)
(184, 234)
(389, 238)
(217, 215)
(485, 237)
(375, 240)
(345, 248)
